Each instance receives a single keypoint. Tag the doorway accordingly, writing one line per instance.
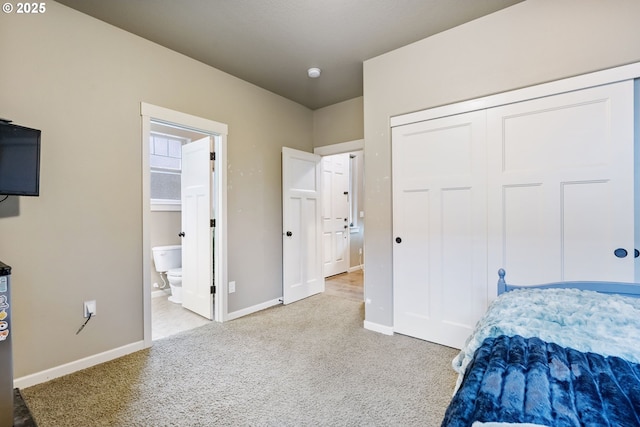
(347, 281)
(212, 277)
(302, 263)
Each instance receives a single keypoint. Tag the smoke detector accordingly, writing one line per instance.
(313, 72)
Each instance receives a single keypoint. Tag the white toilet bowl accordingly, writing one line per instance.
(174, 276)
(168, 260)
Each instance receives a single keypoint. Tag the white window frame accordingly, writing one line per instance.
(167, 205)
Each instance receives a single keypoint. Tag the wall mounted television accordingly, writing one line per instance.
(19, 160)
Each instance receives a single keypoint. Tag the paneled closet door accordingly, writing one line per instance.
(561, 193)
(439, 227)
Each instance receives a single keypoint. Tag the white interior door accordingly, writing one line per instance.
(197, 242)
(561, 193)
(335, 214)
(302, 227)
(439, 227)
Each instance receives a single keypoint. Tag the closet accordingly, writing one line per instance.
(540, 183)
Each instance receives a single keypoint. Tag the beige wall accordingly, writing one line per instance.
(81, 82)
(338, 123)
(529, 43)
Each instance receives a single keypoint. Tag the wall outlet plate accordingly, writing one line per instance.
(89, 308)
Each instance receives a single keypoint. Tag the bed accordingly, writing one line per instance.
(559, 354)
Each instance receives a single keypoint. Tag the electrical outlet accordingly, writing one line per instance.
(90, 308)
(232, 287)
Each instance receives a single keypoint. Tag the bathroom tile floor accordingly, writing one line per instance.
(168, 318)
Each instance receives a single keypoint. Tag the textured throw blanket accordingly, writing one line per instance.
(519, 380)
(552, 357)
(583, 320)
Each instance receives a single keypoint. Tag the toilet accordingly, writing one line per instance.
(168, 261)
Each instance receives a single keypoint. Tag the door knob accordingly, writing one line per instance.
(620, 252)
(398, 240)
(289, 234)
(181, 234)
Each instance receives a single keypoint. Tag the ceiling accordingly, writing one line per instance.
(272, 43)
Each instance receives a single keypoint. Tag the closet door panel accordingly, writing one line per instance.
(585, 234)
(525, 230)
(576, 150)
(439, 225)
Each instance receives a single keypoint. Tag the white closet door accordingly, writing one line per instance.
(561, 194)
(439, 226)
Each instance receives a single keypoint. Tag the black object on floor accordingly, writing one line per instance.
(21, 414)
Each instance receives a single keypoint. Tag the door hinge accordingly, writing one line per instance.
(212, 223)
(213, 289)
(212, 155)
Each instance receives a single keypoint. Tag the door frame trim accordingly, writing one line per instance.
(340, 148)
(219, 132)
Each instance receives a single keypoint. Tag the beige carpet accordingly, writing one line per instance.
(306, 364)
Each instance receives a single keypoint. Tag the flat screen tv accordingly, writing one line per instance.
(19, 160)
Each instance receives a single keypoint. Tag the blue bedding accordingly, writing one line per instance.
(527, 380)
(551, 357)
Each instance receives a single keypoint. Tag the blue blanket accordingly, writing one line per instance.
(583, 320)
(527, 380)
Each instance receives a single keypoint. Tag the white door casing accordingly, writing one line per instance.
(197, 241)
(301, 221)
(335, 214)
(561, 186)
(439, 227)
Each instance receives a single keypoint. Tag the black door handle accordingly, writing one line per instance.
(398, 240)
(181, 234)
(289, 234)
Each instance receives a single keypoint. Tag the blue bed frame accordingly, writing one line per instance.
(626, 289)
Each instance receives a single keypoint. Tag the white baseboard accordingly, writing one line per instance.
(376, 327)
(356, 268)
(253, 309)
(71, 367)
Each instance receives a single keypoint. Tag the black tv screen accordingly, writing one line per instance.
(19, 160)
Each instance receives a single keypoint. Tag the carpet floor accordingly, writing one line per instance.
(306, 364)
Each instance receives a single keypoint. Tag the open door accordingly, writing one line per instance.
(302, 225)
(197, 238)
(335, 214)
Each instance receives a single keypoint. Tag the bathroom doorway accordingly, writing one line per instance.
(165, 134)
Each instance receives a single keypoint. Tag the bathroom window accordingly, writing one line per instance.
(165, 161)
